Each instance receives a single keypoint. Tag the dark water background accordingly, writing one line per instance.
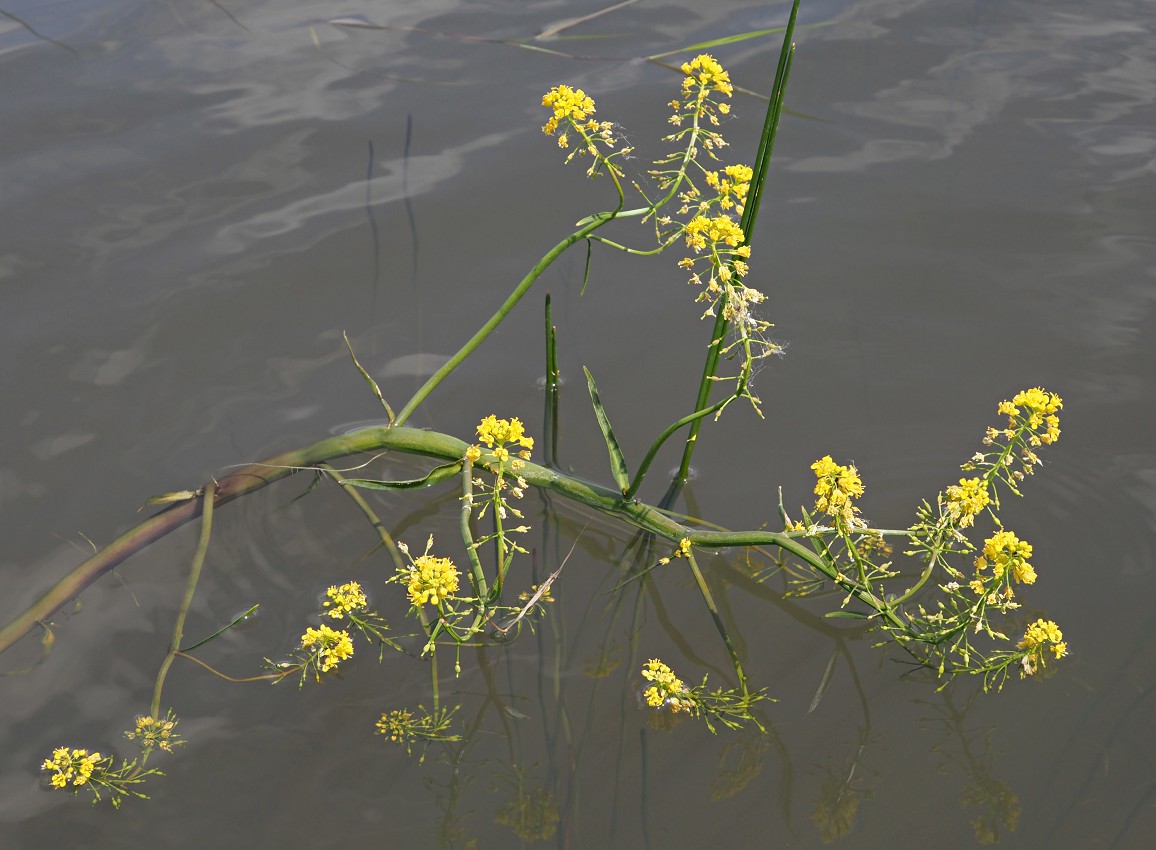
(198, 199)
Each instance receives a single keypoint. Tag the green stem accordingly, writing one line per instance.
(718, 622)
(477, 574)
(417, 442)
(750, 215)
(550, 419)
(186, 603)
(662, 438)
(706, 384)
(378, 525)
(593, 223)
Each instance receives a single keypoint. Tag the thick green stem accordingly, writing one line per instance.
(416, 442)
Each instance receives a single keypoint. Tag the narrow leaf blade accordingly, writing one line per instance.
(617, 461)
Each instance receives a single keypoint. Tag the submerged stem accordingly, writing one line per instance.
(190, 590)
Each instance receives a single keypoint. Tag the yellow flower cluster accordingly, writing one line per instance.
(500, 436)
(733, 187)
(668, 690)
(1041, 636)
(965, 500)
(567, 103)
(704, 77)
(836, 487)
(493, 430)
(1006, 554)
(152, 732)
(1038, 409)
(396, 726)
(431, 580)
(702, 232)
(75, 766)
(708, 74)
(344, 600)
(329, 646)
(572, 110)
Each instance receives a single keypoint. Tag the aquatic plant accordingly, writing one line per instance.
(951, 617)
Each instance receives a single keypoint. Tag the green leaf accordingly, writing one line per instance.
(849, 615)
(617, 461)
(240, 618)
(369, 380)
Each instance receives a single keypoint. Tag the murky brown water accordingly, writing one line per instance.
(199, 199)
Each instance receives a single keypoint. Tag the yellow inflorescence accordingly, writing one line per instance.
(702, 232)
(432, 580)
(1041, 636)
(1006, 554)
(1038, 409)
(668, 690)
(836, 487)
(566, 103)
(330, 646)
(966, 499)
(396, 726)
(153, 732)
(493, 430)
(75, 766)
(707, 74)
(344, 600)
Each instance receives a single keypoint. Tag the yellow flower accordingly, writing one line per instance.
(396, 726)
(1038, 409)
(473, 453)
(966, 499)
(708, 73)
(75, 766)
(567, 103)
(347, 599)
(668, 690)
(329, 646)
(431, 580)
(493, 430)
(1007, 554)
(702, 232)
(1041, 636)
(836, 487)
(153, 732)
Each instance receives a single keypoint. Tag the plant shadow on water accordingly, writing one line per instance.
(510, 652)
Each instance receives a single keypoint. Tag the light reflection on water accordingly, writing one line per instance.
(188, 234)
